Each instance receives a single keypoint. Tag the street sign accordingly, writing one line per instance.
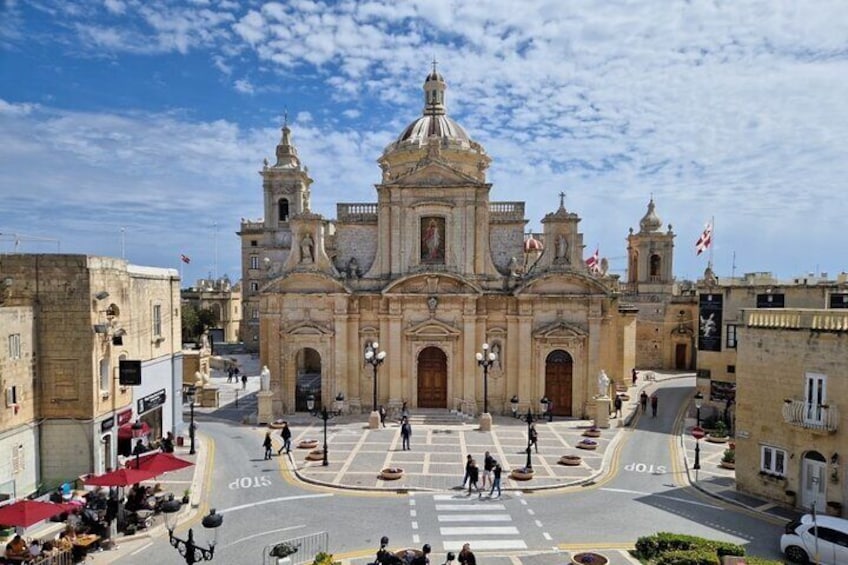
(698, 432)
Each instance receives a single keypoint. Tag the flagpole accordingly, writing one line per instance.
(712, 242)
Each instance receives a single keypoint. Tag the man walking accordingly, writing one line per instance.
(285, 433)
(405, 434)
(488, 465)
(654, 405)
(466, 556)
(244, 381)
(266, 443)
(473, 477)
(496, 479)
(534, 437)
(383, 415)
(643, 401)
(229, 374)
(465, 477)
(617, 405)
(634, 375)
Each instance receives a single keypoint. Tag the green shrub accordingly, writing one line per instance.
(659, 544)
(322, 558)
(698, 556)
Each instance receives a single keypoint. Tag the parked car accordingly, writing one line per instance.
(827, 538)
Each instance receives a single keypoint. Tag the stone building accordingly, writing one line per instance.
(791, 391)
(224, 299)
(77, 319)
(430, 271)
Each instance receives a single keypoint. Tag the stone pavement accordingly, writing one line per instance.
(436, 460)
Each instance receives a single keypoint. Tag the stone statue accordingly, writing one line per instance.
(603, 383)
(562, 247)
(265, 378)
(306, 249)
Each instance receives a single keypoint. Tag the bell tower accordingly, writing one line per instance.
(650, 252)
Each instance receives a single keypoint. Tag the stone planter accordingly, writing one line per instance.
(716, 439)
(589, 558)
(276, 425)
(727, 464)
(570, 460)
(315, 455)
(587, 444)
(592, 432)
(307, 444)
(391, 473)
(521, 474)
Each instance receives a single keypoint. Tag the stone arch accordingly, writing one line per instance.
(283, 210)
(432, 363)
(559, 381)
(656, 266)
(308, 365)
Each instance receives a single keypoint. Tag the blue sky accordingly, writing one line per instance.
(152, 118)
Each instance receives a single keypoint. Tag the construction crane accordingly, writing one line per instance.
(17, 238)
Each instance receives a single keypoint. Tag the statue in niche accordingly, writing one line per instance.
(307, 246)
(353, 268)
(496, 351)
(603, 384)
(562, 248)
(265, 379)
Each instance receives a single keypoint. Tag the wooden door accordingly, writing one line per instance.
(432, 378)
(680, 356)
(558, 381)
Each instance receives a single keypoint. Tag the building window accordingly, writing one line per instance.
(772, 460)
(283, 210)
(815, 396)
(770, 300)
(15, 346)
(18, 459)
(254, 261)
(254, 286)
(255, 314)
(11, 396)
(731, 369)
(157, 320)
(254, 243)
(104, 375)
(839, 300)
(731, 336)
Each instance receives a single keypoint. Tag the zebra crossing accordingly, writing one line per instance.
(484, 525)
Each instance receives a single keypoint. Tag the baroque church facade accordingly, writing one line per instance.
(431, 271)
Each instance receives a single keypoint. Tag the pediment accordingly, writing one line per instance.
(561, 330)
(432, 328)
(432, 284)
(307, 327)
(565, 283)
(300, 282)
(433, 173)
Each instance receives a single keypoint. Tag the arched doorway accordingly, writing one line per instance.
(813, 475)
(558, 369)
(308, 367)
(432, 378)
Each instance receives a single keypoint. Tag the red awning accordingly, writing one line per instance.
(137, 429)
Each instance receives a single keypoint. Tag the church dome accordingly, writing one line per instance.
(533, 245)
(434, 120)
(650, 222)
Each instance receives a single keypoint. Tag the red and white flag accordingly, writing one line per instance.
(185, 259)
(593, 263)
(705, 240)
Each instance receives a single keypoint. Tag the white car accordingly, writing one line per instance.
(827, 538)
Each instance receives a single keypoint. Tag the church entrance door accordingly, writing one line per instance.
(680, 356)
(432, 378)
(558, 369)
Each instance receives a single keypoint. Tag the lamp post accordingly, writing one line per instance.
(485, 359)
(190, 391)
(323, 415)
(375, 358)
(525, 418)
(699, 398)
(192, 552)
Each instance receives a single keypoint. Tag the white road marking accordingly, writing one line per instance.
(538, 523)
(414, 525)
(625, 491)
(483, 545)
(480, 531)
(475, 518)
(640, 493)
(531, 512)
(415, 539)
(142, 548)
(260, 534)
(449, 507)
(413, 513)
(272, 501)
(547, 536)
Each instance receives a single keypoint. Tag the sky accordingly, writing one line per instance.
(137, 128)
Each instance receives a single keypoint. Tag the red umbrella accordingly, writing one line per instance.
(25, 513)
(120, 478)
(159, 463)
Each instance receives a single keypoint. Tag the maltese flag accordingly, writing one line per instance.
(185, 259)
(705, 240)
(593, 263)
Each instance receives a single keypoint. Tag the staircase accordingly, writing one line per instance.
(438, 417)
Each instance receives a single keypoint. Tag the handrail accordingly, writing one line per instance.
(819, 417)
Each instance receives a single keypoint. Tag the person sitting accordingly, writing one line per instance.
(17, 548)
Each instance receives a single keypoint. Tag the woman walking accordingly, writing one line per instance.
(473, 477)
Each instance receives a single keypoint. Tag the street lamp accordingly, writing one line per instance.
(699, 398)
(698, 432)
(192, 552)
(323, 415)
(189, 393)
(485, 359)
(525, 418)
(375, 358)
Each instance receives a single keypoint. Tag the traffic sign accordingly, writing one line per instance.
(698, 432)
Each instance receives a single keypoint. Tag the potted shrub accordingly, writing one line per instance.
(391, 473)
(589, 558)
(790, 495)
(522, 474)
(570, 460)
(592, 432)
(315, 455)
(833, 508)
(728, 460)
(587, 444)
(719, 433)
(307, 444)
(186, 496)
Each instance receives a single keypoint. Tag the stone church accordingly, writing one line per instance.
(431, 271)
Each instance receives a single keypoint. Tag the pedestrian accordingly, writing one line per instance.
(244, 381)
(405, 433)
(496, 479)
(384, 556)
(168, 443)
(634, 375)
(267, 444)
(468, 460)
(534, 437)
(617, 405)
(404, 411)
(550, 411)
(466, 556)
(643, 401)
(383, 415)
(473, 477)
(285, 434)
(229, 374)
(654, 405)
(488, 465)
(424, 558)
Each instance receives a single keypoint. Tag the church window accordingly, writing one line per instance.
(254, 243)
(656, 266)
(254, 286)
(254, 261)
(283, 210)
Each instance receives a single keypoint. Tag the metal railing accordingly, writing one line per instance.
(296, 551)
(59, 557)
(817, 417)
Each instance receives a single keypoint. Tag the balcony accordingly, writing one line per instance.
(814, 417)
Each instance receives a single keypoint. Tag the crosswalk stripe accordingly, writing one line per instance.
(461, 507)
(483, 545)
(474, 518)
(478, 530)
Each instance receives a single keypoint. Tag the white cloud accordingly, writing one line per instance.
(115, 6)
(244, 86)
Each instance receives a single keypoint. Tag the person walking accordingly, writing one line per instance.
(404, 411)
(266, 443)
(634, 375)
(244, 381)
(424, 558)
(617, 405)
(405, 434)
(654, 400)
(496, 479)
(473, 477)
(468, 460)
(466, 556)
(285, 434)
(488, 465)
(534, 437)
(382, 415)
(229, 374)
(643, 401)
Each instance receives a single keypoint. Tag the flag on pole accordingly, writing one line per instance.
(593, 263)
(705, 240)
(185, 259)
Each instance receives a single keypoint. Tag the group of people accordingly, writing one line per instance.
(233, 376)
(422, 557)
(20, 550)
(491, 475)
(285, 436)
(643, 403)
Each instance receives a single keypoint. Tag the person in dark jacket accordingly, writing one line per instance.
(496, 479)
(473, 477)
(466, 556)
(534, 437)
(285, 434)
(468, 460)
(266, 443)
(616, 404)
(643, 401)
(405, 434)
(654, 405)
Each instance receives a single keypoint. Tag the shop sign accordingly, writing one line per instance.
(107, 424)
(124, 417)
(151, 401)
